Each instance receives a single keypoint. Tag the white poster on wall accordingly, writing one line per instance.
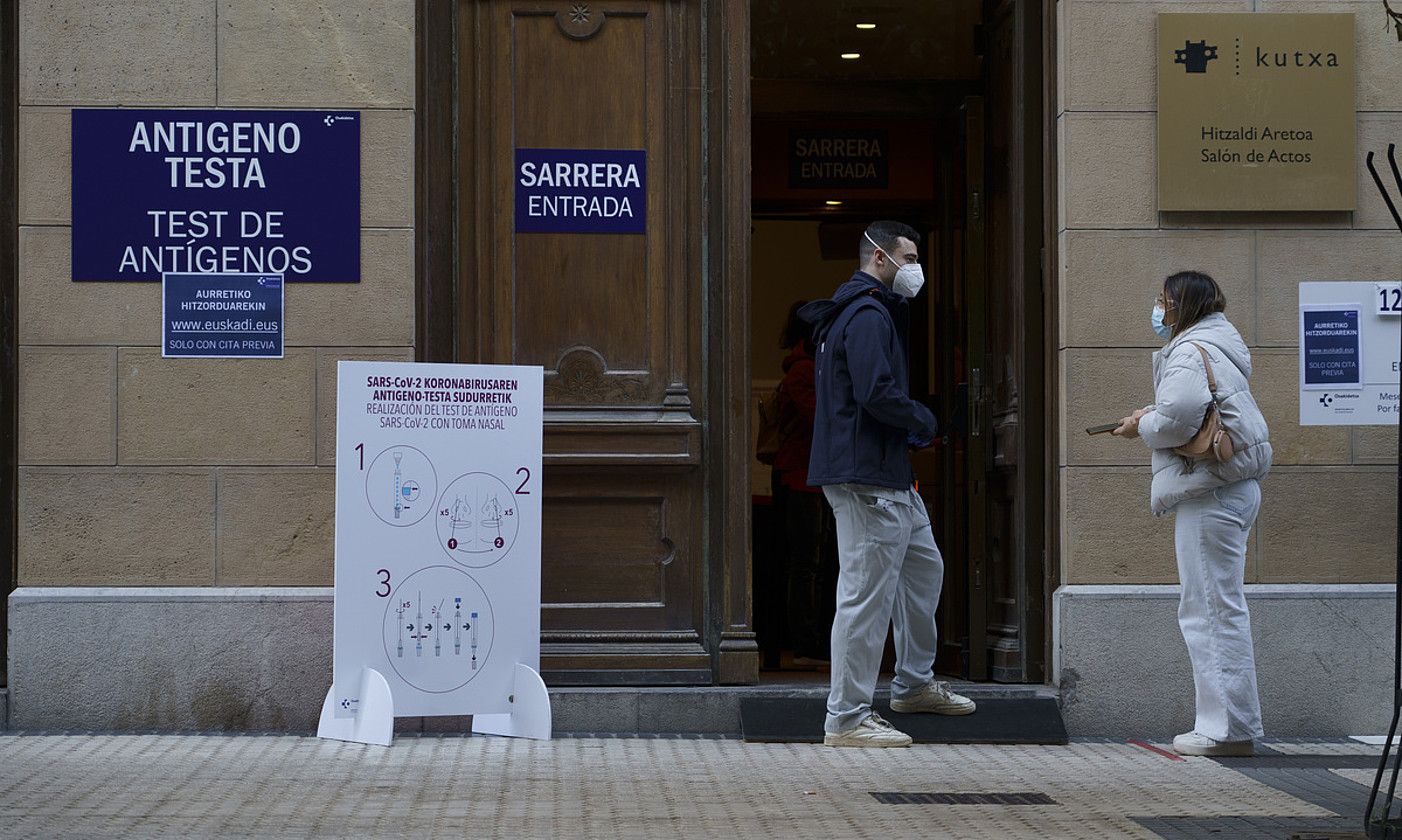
(1349, 333)
(438, 514)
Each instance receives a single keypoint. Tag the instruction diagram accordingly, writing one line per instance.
(438, 629)
(438, 534)
(400, 486)
(478, 519)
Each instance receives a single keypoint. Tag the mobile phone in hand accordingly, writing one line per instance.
(1102, 429)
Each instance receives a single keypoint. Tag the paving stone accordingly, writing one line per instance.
(628, 786)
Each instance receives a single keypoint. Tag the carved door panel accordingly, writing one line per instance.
(612, 318)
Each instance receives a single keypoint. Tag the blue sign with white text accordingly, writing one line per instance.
(202, 192)
(581, 191)
(222, 316)
(1331, 347)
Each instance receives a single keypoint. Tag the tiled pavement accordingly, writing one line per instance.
(92, 785)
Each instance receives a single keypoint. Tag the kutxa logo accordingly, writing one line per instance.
(1195, 55)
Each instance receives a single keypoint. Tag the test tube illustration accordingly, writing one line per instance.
(437, 630)
(474, 641)
(398, 478)
(399, 640)
(457, 626)
(419, 620)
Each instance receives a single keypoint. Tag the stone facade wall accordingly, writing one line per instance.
(1327, 515)
(187, 471)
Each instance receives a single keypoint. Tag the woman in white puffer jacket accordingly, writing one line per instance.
(1214, 504)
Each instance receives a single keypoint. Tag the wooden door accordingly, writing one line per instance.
(614, 319)
(1006, 384)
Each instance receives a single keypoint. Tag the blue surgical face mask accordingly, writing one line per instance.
(1161, 329)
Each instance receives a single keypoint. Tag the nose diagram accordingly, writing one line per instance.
(477, 535)
(478, 519)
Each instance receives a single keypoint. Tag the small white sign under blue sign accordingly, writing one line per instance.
(222, 316)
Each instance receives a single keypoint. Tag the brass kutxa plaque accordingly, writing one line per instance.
(1256, 112)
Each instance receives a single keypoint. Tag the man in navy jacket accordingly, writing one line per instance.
(891, 569)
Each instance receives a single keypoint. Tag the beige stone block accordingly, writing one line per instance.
(1110, 279)
(1379, 60)
(1108, 533)
(1101, 386)
(67, 405)
(1275, 383)
(277, 527)
(1109, 50)
(1374, 444)
(379, 310)
(1328, 525)
(326, 389)
(387, 168)
(45, 157)
(55, 310)
(115, 527)
(215, 411)
(1375, 132)
(351, 53)
(1287, 258)
(116, 52)
(1107, 173)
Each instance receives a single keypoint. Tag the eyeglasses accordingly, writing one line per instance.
(1167, 305)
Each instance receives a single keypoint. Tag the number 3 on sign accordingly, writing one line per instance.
(1389, 298)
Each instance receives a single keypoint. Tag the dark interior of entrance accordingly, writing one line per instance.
(930, 114)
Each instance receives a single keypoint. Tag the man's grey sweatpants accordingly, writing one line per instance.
(891, 572)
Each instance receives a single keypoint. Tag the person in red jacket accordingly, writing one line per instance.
(801, 511)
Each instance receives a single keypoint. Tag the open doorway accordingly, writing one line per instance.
(936, 122)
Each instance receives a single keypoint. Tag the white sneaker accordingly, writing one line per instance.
(1195, 743)
(934, 697)
(871, 732)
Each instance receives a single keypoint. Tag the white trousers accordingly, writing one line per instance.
(1211, 536)
(891, 574)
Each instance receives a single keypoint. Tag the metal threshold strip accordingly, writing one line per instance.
(1019, 798)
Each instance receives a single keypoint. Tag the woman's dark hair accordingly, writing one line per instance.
(1194, 296)
(796, 329)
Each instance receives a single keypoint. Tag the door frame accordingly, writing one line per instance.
(723, 239)
(9, 319)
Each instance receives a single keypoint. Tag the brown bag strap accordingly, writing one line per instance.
(1207, 364)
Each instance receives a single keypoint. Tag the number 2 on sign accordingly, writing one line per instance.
(1389, 298)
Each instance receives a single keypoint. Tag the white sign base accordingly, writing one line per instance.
(371, 722)
(530, 715)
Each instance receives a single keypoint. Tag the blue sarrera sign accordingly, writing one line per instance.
(581, 191)
(222, 316)
(216, 191)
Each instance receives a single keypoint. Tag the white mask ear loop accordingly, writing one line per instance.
(874, 245)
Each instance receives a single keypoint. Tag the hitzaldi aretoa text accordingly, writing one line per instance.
(1251, 133)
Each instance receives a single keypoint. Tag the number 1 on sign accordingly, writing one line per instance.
(1389, 298)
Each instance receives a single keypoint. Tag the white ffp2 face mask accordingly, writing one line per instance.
(909, 280)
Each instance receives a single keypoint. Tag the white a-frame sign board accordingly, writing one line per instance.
(438, 476)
